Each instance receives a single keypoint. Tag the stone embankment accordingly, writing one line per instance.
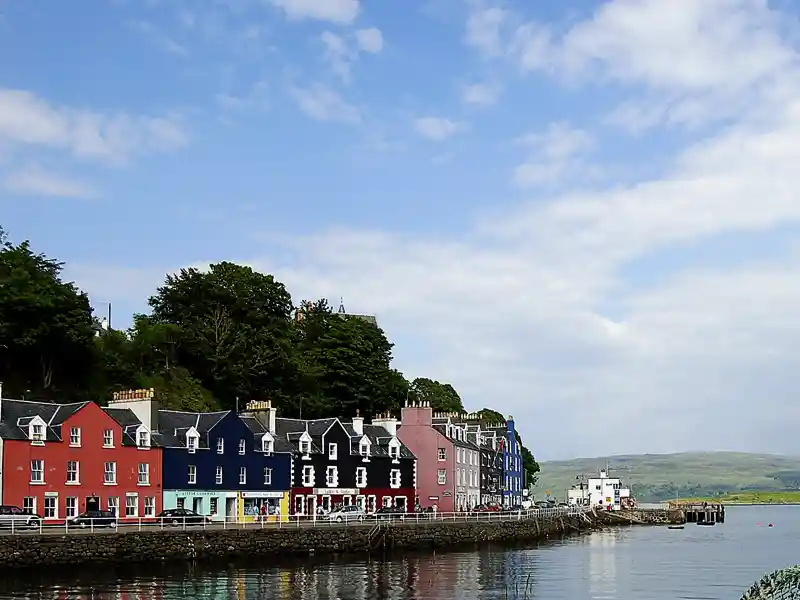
(200, 545)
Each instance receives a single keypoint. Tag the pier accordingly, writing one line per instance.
(700, 512)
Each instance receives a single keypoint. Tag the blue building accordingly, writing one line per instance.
(219, 464)
(513, 476)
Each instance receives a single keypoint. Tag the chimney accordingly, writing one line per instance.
(358, 423)
(263, 412)
(141, 402)
(388, 422)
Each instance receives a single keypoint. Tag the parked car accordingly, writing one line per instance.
(14, 516)
(94, 518)
(181, 516)
(346, 513)
(389, 513)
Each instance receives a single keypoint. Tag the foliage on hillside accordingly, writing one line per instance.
(658, 477)
(213, 339)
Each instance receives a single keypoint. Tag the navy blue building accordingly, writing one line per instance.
(513, 480)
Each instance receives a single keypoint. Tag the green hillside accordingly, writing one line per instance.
(657, 477)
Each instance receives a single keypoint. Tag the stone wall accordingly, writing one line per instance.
(651, 516)
(198, 545)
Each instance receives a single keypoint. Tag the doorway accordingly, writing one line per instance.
(401, 502)
(92, 503)
(230, 509)
(197, 505)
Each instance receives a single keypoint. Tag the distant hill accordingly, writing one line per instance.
(657, 477)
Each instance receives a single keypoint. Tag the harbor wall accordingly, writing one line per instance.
(21, 551)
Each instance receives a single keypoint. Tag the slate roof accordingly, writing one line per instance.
(379, 439)
(15, 415)
(129, 422)
(292, 430)
(440, 425)
(281, 443)
(173, 425)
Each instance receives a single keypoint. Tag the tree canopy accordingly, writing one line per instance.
(213, 338)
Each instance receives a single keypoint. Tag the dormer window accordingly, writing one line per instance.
(394, 451)
(142, 437)
(192, 440)
(363, 448)
(305, 446)
(267, 445)
(36, 431)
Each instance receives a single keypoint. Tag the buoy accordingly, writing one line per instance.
(770, 524)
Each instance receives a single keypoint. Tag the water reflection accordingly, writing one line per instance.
(603, 565)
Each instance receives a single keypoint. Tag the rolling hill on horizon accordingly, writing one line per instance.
(658, 477)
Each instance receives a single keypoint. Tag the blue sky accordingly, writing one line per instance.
(561, 208)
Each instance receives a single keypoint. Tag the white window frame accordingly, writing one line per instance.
(73, 475)
(75, 437)
(242, 475)
(333, 451)
(308, 477)
(267, 445)
(143, 475)
(267, 475)
(143, 438)
(150, 506)
(110, 473)
(192, 442)
(218, 475)
(394, 451)
(331, 477)
(305, 446)
(53, 508)
(37, 431)
(361, 477)
(37, 471)
(191, 475)
(242, 447)
(363, 448)
(131, 505)
(441, 477)
(108, 438)
(113, 505)
(29, 504)
(220, 446)
(395, 478)
(71, 507)
(442, 454)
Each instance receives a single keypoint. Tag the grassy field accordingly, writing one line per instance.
(760, 497)
(658, 477)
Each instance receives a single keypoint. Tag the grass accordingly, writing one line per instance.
(752, 497)
(658, 477)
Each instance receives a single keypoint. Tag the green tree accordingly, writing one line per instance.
(442, 396)
(345, 361)
(529, 464)
(47, 333)
(235, 329)
(491, 417)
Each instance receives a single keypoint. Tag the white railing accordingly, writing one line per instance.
(126, 525)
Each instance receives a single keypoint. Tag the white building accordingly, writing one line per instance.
(600, 492)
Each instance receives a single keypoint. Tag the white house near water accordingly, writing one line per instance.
(600, 492)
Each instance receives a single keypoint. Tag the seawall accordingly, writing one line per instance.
(21, 551)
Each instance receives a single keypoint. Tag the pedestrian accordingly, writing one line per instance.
(278, 514)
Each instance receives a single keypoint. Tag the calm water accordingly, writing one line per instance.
(626, 564)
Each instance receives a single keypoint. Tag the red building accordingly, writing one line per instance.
(59, 460)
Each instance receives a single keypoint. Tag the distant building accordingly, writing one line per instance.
(601, 492)
(306, 306)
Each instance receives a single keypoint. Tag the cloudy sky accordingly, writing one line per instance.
(583, 214)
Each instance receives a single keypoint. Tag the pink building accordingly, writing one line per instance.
(436, 468)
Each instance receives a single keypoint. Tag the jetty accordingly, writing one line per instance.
(700, 512)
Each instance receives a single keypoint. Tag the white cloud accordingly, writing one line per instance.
(338, 54)
(484, 28)
(552, 154)
(158, 39)
(480, 94)
(324, 104)
(335, 11)
(27, 120)
(437, 128)
(35, 181)
(370, 40)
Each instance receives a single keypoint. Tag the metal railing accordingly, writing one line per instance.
(37, 526)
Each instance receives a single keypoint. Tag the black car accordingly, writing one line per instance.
(389, 513)
(182, 516)
(94, 518)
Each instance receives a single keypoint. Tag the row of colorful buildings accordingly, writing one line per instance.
(137, 459)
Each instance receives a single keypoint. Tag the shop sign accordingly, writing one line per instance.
(262, 494)
(335, 491)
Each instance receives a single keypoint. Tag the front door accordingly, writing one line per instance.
(361, 502)
(230, 509)
(92, 503)
(197, 505)
(311, 506)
